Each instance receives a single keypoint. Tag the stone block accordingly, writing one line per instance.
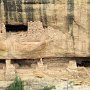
(72, 65)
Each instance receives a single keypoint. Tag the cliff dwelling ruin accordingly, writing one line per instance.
(40, 38)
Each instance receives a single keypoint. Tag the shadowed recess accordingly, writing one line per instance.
(16, 28)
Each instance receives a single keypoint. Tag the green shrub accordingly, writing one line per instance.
(16, 85)
(48, 88)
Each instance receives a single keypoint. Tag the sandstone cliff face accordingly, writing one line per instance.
(58, 14)
(50, 12)
(66, 34)
(38, 42)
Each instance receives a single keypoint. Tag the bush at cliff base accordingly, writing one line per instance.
(16, 85)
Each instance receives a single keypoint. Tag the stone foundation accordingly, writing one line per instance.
(46, 71)
(10, 71)
(39, 69)
(72, 64)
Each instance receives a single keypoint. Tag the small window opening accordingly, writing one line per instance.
(16, 28)
(1, 31)
(2, 63)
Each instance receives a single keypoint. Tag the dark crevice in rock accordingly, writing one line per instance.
(37, 2)
(70, 18)
(16, 28)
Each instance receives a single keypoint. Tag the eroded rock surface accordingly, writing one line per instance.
(40, 42)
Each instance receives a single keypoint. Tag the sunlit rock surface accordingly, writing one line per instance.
(56, 28)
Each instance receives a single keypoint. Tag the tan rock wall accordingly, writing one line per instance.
(49, 13)
(54, 41)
